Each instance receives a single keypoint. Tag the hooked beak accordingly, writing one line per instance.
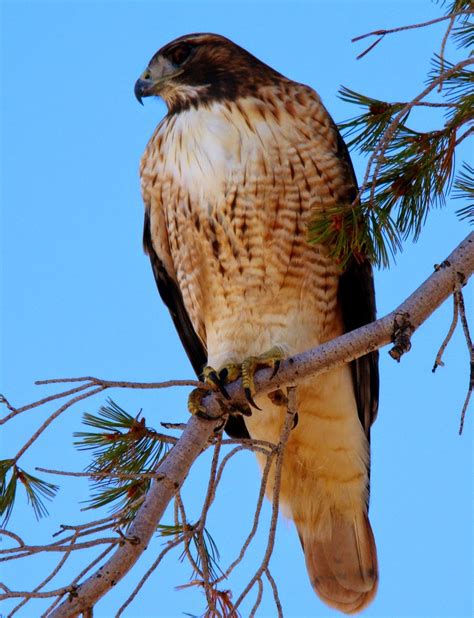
(151, 81)
(143, 88)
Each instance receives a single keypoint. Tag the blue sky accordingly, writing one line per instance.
(79, 297)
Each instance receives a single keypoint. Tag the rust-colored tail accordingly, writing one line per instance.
(343, 567)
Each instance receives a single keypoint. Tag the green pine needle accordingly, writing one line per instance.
(464, 189)
(414, 175)
(36, 490)
(456, 85)
(210, 550)
(366, 129)
(464, 35)
(123, 445)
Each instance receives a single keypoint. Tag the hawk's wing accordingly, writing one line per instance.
(357, 300)
(173, 299)
(171, 296)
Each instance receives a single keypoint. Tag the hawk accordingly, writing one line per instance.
(230, 179)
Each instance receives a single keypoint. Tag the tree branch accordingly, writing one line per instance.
(174, 469)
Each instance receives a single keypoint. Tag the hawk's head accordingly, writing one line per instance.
(199, 68)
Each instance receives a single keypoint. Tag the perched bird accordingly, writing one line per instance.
(230, 179)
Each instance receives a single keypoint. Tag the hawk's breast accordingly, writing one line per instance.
(235, 187)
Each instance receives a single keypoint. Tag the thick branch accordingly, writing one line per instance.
(174, 469)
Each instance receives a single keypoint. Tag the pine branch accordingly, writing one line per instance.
(125, 452)
(174, 469)
(464, 189)
(35, 488)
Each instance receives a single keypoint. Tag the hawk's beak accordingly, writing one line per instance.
(151, 81)
(143, 88)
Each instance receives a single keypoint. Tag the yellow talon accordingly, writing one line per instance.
(214, 379)
(230, 372)
(272, 359)
(195, 406)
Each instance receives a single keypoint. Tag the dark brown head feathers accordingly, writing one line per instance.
(210, 68)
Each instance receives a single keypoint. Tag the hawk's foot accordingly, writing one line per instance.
(195, 405)
(271, 359)
(216, 380)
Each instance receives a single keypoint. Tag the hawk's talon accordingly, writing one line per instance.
(276, 367)
(217, 381)
(195, 406)
(249, 398)
(211, 377)
(271, 359)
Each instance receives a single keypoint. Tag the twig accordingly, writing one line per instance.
(20, 594)
(125, 384)
(467, 335)
(45, 581)
(40, 402)
(100, 384)
(114, 519)
(17, 538)
(102, 475)
(428, 104)
(276, 596)
(78, 577)
(462, 137)
(38, 549)
(443, 47)
(199, 531)
(54, 416)
(263, 486)
(287, 426)
(258, 600)
(142, 581)
(186, 539)
(439, 357)
(337, 352)
(382, 33)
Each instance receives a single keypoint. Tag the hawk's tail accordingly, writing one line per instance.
(343, 567)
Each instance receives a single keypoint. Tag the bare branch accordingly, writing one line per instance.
(78, 578)
(285, 434)
(45, 581)
(258, 508)
(258, 600)
(106, 475)
(382, 33)
(54, 416)
(443, 46)
(419, 306)
(40, 402)
(275, 593)
(17, 538)
(142, 581)
(439, 357)
(467, 335)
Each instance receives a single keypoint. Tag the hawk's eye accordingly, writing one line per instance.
(180, 53)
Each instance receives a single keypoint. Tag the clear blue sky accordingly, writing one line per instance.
(79, 297)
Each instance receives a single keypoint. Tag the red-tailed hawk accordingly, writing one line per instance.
(230, 179)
